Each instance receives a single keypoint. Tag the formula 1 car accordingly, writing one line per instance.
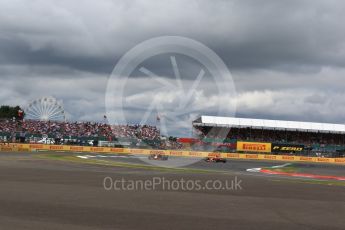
(158, 157)
(215, 159)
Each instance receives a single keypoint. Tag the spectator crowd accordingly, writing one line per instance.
(272, 135)
(79, 129)
(134, 135)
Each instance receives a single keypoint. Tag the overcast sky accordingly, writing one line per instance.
(287, 58)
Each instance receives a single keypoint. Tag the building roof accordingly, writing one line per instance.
(268, 124)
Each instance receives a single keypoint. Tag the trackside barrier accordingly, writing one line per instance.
(181, 153)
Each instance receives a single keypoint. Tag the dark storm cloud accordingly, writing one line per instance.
(18, 52)
(286, 35)
(246, 34)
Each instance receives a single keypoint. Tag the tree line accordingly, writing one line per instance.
(7, 111)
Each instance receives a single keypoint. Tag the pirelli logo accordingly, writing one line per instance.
(339, 160)
(306, 158)
(319, 159)
(96, 149)
(288, 157)
(253, 147)
(195, 154)
(157, 152)
(233, 155)
(136, 151)
(36, 146)
(76, 148)
(214, 155)
(117, 150)
(175, 153)
(56, 147)
(270, 157)
(7, 149)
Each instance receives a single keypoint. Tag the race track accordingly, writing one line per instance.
(40, 192)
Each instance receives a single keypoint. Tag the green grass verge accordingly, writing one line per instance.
(286, 169)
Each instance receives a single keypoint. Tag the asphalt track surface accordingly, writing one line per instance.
(45, 193)
(235, 166)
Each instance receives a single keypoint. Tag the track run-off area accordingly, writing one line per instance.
(52, 190)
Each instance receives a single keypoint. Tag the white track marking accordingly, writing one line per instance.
(254, 170)
(83, 157)
(280, 166)
(273, 167)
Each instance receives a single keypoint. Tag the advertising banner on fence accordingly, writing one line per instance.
(242, 146)
(286, 148)
(253, 147)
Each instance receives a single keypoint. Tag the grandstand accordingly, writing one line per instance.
(304, 138)
(228, 134)
(84, 133)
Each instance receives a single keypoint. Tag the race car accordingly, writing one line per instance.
(215, 159)
(158, 157)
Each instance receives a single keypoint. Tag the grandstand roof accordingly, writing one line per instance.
(268, 124)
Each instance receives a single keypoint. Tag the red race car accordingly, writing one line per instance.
(215, 158)
(158, 157)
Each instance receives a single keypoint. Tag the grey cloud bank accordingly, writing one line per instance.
(287, 57)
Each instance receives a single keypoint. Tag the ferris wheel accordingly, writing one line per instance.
(45, 109)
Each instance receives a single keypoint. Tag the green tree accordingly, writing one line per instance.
(7, 111)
